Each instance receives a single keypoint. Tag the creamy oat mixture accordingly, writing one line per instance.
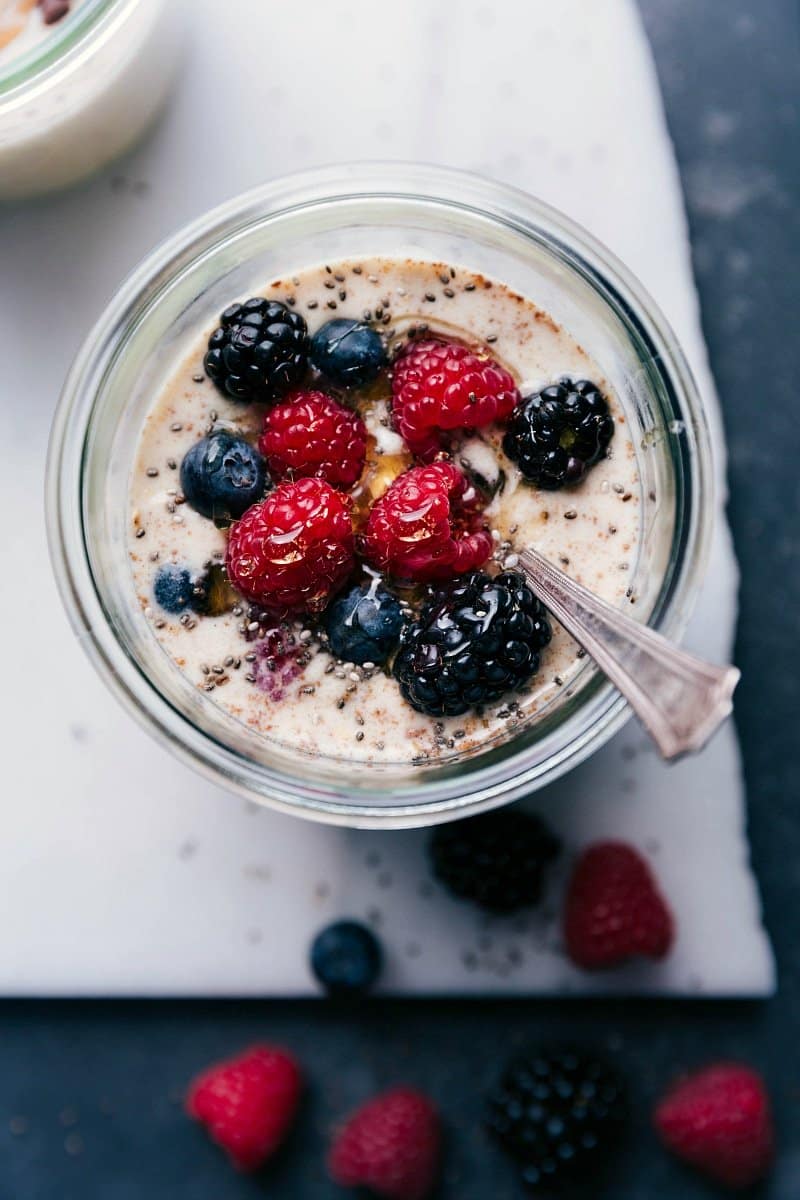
(318, 705)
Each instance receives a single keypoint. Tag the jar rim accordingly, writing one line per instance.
(59, 50)
(490, 783)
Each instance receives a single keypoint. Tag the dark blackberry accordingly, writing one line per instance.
(498, 859)
(555, 435)
(561, 1115)
(259, 351)
(477, 639)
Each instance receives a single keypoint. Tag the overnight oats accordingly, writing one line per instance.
(330, 493)
(80, 82)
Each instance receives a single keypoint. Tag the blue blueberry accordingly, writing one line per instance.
(349, 352)
(364, 625)
(222, 476)
(346, 958)
(172, 588)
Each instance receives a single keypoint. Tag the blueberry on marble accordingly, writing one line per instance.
(172, 588)
(222, 475)
(364, 625)
(348, 352)
(346, 958)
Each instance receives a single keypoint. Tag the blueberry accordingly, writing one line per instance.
(346, 958)
(349, 352)
(173, 588)
(222, 476)
(364, 625)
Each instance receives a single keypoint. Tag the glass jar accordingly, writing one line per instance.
(86, 92)
(354, 211)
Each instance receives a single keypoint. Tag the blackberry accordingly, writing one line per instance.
(259, 351)
(498, 860)
(555, 435)
(561, 1115)
(476, 639)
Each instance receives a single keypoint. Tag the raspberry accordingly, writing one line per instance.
(390, 1145)
(292, 551)
(614, 910)
(247, 1103)
(719, 1120)
(309, 434)
(427, 526)
(439, 387)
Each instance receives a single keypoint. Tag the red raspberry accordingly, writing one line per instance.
(291, 551)
(390, 1145)
(719, 1120)
(442, 386)
(309, 434)
(247, 1103)
(614, 910)
(427, 526)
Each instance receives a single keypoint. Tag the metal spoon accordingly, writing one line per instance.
(681, 700)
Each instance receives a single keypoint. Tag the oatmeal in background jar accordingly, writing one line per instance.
(80, 82)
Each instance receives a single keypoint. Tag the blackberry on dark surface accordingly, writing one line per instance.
(477, 639)
(555, 435)
(498, 860)
(561, 1114)
(259, 351)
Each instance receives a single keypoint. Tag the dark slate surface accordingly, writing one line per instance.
(92, 1088)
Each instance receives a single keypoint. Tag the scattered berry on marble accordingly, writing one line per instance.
(391, 1145)
(259, 352)
(556, 435)
(719, 1120)
(561, 1114)
(349, 353)
(310, 435)
(346, 958)
(440, 388)
(364, 625)
(614, 909)
(222, 475)
(294, 550)
(498, 860)
(476, 640)
(427, 526)
(172, 588)
(248, 1103)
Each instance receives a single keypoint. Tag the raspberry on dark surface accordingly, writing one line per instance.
(259, 351)
(476, 640)
(561, 1114)
(427, 526)
(391, 1145)
(310, 435)
(556, 435)
(498, 860)
(719, 1120)
(441, 387)
(248, 1103)
(291, 552)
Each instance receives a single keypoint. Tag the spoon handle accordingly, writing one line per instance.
(681, 700)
